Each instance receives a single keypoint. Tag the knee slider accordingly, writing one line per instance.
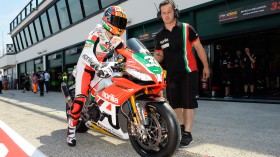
(77, 106)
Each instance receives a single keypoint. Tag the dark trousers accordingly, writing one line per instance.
(47, 84)
(41, 86)
(1, 86)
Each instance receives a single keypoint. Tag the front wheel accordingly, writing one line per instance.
(163, 132)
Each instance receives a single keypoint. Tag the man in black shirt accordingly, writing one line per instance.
(237, 83)
(41, 80)
(248, 65)
(226, 70)
(174, 44)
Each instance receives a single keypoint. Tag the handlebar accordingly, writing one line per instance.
(118, 67)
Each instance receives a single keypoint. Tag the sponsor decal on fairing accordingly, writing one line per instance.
(110, 97)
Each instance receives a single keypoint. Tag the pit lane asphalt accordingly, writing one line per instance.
(221, 129)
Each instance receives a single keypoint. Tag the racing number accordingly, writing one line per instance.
(275, 6)
(152, 61)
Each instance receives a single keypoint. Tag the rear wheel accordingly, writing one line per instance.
(81, 126)
(163, 132)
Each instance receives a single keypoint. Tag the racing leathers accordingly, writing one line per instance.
(96, 47)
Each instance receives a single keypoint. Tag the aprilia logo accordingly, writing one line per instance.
(110, 97)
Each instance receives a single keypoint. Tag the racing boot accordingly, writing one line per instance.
(71, 137)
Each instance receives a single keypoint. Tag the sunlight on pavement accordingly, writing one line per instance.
(218, 150)
(60, 114)
(36, 108)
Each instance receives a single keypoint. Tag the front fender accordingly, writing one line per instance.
(150, 98)
(142, 102)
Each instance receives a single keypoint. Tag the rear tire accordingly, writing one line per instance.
(81, 126)
(163, 130)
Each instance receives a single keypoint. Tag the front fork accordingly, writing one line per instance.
(139, 112)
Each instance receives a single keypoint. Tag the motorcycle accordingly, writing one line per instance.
(129, 107)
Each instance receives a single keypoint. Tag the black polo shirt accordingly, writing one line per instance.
(248, 65)
(177, 48)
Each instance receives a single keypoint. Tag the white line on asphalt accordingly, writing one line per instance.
(21, 142)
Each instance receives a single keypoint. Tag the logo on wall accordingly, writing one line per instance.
(228, 16)
(10, 49)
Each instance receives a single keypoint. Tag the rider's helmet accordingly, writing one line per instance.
(114, 20)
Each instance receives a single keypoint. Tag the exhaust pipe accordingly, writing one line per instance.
(65, 91)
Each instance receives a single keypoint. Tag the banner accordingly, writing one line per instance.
(251, 11)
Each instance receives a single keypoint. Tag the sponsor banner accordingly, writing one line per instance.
(147, 36)
(71, 51)
(251, 11)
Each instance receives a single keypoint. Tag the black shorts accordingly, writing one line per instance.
(182, 91)
(249, 77)
(226, 81)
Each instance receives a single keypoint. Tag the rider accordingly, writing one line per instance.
(103, 39)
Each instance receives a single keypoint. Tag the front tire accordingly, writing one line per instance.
(163, 132)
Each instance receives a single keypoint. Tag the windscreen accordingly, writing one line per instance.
(137, 46)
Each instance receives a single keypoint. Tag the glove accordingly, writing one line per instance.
(104, 71)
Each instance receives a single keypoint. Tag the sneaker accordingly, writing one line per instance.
(228, 96)
(245, 96)
(186, 140)
(71, 138)
(182, 129)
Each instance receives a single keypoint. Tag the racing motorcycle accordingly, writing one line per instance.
(129, 107)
